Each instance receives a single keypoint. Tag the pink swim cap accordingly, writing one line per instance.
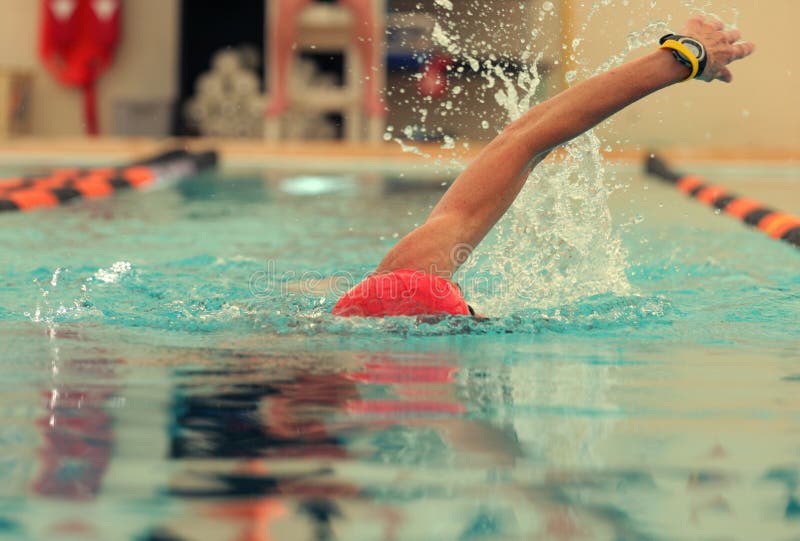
(402, 293)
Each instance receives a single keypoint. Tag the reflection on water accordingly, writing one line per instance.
(365, 446)
(477, 442)
(77, 445)
(308, 426)
(78, 436)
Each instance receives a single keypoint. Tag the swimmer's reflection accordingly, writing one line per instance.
(315, 417)
(77, 431)
(250, 418)
(279, 418)
(302, 413)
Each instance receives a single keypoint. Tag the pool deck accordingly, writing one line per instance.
(768, 175)
(329, 156)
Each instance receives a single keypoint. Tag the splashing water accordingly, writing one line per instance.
(113, 273)
(57, 303)
(557, 243)
(446, 4)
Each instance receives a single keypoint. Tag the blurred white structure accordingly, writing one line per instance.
(324, 28)
(227, 100)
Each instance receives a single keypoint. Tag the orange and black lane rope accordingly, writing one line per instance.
(63, 185)
(775, 223)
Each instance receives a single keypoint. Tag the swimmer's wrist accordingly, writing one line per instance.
(668, 70)
(687, 51)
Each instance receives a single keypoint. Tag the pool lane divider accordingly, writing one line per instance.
(60, 186)
(775, 223)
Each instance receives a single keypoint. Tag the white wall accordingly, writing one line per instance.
(145, 67)
(759, 109)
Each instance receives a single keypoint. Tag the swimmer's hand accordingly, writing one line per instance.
(721, 47)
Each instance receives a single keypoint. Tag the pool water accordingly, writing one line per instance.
(170, 371)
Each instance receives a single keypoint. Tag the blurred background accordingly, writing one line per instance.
(191, 68)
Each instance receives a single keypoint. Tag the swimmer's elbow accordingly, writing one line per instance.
(532, 134)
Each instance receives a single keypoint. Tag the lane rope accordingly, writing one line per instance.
(60, 186)
(775, 223)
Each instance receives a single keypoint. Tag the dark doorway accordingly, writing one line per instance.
(206, 27)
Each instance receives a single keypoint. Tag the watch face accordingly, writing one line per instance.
(693, 47)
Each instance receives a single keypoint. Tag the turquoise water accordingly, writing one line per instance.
(169, 371)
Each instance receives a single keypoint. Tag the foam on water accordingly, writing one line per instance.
(113, 273)
(184, 297)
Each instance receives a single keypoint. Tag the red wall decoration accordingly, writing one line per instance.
(78, 39)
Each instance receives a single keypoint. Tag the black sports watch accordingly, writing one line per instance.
(694, 47)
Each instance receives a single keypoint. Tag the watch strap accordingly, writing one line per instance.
(682, 53)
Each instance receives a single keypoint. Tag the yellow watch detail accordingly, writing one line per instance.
(684, 50)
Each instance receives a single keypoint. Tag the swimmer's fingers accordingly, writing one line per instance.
(732, 36)
(738, 51)
(725, 76)
(721, 47)
(742, 50)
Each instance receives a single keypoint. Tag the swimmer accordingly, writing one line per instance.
(414, 279)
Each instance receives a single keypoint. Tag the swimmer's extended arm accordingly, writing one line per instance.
(483, 192)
